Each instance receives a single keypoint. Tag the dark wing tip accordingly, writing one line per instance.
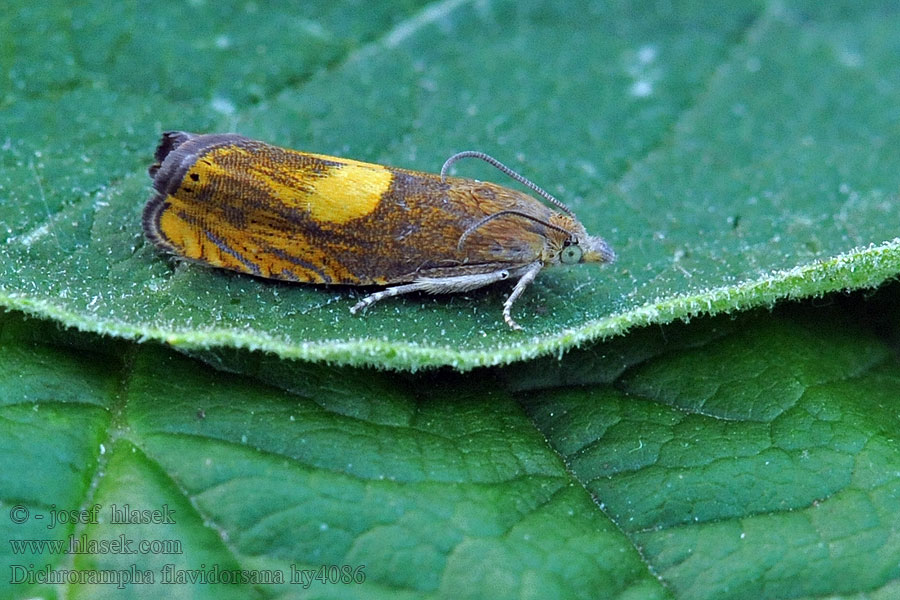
(150, 222)
(170, 141)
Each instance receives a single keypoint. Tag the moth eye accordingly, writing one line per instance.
(570, 255)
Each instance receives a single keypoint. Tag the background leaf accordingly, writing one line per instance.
(732, 458)
(732, 157)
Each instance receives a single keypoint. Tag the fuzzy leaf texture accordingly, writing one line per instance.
(731, 157)
(730, 458)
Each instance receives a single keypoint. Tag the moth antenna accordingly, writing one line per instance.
(489, 218)
(506, 170)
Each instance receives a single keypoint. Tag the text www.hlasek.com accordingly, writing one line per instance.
(84, 545)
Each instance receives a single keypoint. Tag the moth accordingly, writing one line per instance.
(231, 202)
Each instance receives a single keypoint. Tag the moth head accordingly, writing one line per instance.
(566, 240)
(586, 249)
(573, 245)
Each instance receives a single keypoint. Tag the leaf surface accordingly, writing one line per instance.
(732, 158)
(728, 458)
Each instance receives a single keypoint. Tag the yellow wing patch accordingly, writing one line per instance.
(330, 189)
(349, 191)
(180, 234)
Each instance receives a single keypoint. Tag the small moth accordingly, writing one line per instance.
(232, 202)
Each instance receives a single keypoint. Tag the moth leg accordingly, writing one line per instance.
(531, 272)
(435, 285)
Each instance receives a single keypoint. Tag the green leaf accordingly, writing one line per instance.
(732, 157)
(729, 458)
(416, 490)
(748, 459)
